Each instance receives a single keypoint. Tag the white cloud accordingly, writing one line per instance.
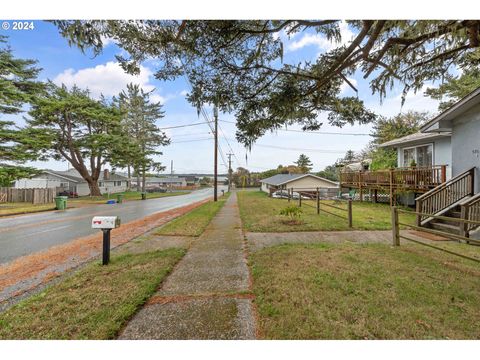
(346, 87)
(413, 101)
(321, 42)
(158, 98)
(107, 79)
(106, 41)
(184, 93)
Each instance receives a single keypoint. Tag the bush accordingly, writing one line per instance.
(293, 212)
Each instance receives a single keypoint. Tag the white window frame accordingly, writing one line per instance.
(416, 154)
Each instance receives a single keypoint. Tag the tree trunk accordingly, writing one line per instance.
(94, 188)
(129, 175)
(138, 182)
(143, 180)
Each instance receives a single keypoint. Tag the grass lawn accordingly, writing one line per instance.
(260, 213)
(128, 195)
(23, 208)
(194, 222)
(373, 291)
(92, 304)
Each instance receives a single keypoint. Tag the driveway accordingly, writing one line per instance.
(27, 234)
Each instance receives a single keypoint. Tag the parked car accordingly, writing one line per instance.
(280, 194)
(70, 194)
(283, 194)
(156, 189)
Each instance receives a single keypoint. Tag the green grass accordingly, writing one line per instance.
(373, 291)
(260, 213)
(23, 208)
(194, 222)
(128, 196)
(92, 304)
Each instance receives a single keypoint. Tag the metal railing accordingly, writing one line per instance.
(444, 196)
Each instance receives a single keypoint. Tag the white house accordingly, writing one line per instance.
(72, 182)
(305, 182)
(164, 182)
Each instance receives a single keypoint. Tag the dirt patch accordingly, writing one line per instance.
(27, 272)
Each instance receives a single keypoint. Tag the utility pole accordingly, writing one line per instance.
(171, 167)
(229, 172)
(215, 156)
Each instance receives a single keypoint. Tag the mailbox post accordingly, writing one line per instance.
(106, 224)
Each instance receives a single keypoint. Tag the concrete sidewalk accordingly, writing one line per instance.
(207, 296)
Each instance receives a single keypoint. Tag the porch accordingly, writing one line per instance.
(413, 179)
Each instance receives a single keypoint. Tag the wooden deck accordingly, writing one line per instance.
(414, 179)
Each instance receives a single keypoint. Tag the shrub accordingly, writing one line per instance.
(293, 212)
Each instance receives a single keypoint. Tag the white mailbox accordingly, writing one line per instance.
(105, 222)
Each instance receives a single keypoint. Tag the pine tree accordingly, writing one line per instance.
(139, 124)
(70, 125)
(18, 86)
(304, 163)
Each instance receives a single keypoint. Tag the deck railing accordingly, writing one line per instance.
(408, 178)
(444, 196)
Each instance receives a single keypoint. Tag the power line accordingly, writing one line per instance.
(311, 131)
(191, 140)
(301, 149)
(182, 126)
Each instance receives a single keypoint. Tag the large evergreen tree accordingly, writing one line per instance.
(70, 125)
(455, 88)
(240, 66)
(18, 86)
(139, 119)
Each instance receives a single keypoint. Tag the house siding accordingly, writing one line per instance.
(466, 144)
(309, 182)
(442, 153)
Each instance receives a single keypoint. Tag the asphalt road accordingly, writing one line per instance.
(27, 234)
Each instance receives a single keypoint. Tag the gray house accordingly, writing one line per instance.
(425, 149)
(462, 120)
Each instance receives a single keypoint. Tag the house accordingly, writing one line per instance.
(162, 182)
(439, 167)
(304, 182)
(72, 182)
(424, 150)
(462, 120)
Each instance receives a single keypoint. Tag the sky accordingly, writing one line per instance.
(191, 148)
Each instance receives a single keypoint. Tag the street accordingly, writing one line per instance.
(30, 233)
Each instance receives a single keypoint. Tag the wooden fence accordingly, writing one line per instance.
(33, 196)
(396, 236)
(305, 195)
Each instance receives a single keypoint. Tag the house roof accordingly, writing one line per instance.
(74, 176)
(453, 111)
(164, 179)
(416, 137)
(281, 179)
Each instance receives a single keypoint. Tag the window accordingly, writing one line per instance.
(423, 155)
(100, 183)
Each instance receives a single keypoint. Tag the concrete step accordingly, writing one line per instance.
(449, 228)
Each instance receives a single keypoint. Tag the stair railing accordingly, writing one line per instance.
(444, 195)
(470, 211)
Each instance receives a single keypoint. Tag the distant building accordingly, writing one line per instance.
(72, 182)
(305, 182)
(162, 182)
